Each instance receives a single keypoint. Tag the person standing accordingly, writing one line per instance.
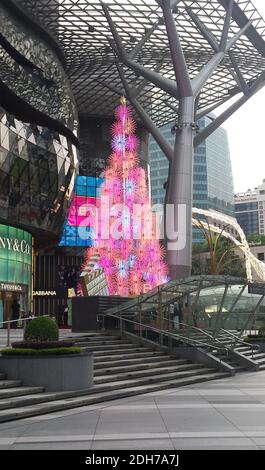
(176, 316)
(65, 315)
(15, 313)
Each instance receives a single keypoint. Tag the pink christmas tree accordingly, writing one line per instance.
(131, 255)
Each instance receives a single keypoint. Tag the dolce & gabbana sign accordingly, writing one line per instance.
(44, 293)
(16, 245)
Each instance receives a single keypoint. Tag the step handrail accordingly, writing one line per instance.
(239, 341)
(197, 329)
(173, 336)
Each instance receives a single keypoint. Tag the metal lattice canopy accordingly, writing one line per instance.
(84, 34)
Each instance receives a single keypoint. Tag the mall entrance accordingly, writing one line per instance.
(7, 300)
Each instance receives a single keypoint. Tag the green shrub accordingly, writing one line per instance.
(40, 352)
(254, 338)
(41, 329)
(42, 344)
(262, 331)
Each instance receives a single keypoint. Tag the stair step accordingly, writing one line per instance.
(149, 375)
(255, 356)
(75, 402)
(242, 349)
(95, 339)
(239, 368)
(98, 364)
(94, 334)
(145, 366)
(10, 383)
(19, 391)
(102, 358)
(102, 344)
(260, 361)
(116, 384)
(113, 347)
(118, 351)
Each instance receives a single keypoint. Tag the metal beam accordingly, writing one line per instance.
(137, 90)
(147, 121)
(173, 3)
(206, 33)
(194, 306)
(237, 36)
(226, 26)
(110, 87)
(178, 59)
(251, 317)
(240, 79)
(142, 41)
(209, 110)
(260, 82)
(202, 77)
(169, 86)
(171, 106)
(232, 308)
(241, 19)
(219, 313)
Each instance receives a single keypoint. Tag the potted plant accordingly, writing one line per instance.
(41, 359)
(258, 339)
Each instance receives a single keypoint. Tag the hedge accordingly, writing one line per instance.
(40, 352)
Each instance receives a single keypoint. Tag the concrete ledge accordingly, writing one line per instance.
(260, 344)
(244, 361)
(198, 355)
(55, 373)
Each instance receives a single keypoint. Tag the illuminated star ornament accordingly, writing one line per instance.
(132, 264)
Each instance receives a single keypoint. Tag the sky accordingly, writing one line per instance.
(246, 134)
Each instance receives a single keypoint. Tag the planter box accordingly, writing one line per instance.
(55, 373)
(257, 342)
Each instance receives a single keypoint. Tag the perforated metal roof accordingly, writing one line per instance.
(84, 35)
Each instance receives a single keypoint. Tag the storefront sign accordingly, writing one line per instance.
(44, 293)
(14, 244)
(10, 287)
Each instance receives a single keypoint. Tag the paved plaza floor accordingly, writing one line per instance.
(221, 414)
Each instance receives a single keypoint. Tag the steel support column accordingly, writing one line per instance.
(187, 91)
(179, 192)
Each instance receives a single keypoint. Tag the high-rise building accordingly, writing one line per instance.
(250, 210)
(212, 173)
(247, 211)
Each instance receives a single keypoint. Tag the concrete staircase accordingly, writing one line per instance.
(122, 369)
(253, 353)
(249, 351)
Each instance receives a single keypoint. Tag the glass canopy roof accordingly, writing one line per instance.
(224, 293)
(84, 35)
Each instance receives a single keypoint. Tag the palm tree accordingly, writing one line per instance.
(222, 259)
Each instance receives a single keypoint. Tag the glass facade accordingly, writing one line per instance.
(219, 172)
(247, 215)
(15, 269)
(212, 173)
(37, 172)
(31, 70)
